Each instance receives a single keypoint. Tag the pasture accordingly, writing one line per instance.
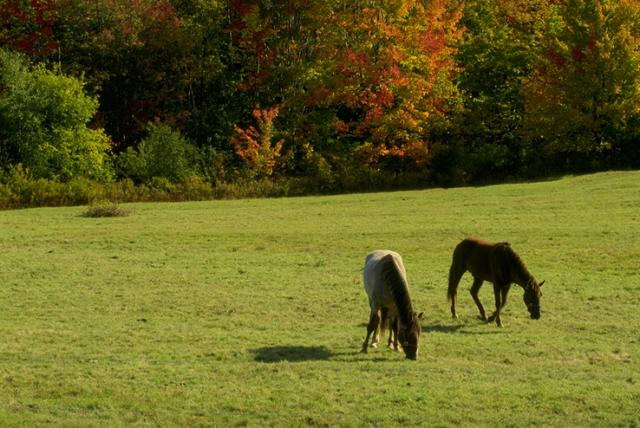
(252, 312)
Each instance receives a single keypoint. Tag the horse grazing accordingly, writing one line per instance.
(498, 264)
(385, 281)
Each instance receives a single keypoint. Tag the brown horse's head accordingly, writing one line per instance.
(409, 335)
(532, 296)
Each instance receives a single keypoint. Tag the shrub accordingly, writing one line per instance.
(164, 153)
(43, 123)
(105, 209)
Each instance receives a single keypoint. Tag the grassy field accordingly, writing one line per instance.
(252, 312)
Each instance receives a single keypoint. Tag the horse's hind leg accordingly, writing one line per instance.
(374, 320)
(455, 274)
(475, 288)
(382, 324)
(454, 315)
(393, 334)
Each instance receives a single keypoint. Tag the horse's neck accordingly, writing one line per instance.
(519, 272)
(403, 303)
(523, 279)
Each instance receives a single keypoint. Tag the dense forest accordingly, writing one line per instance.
(330, 95)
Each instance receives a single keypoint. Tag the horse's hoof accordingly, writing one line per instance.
(374, 345)
(363, 350)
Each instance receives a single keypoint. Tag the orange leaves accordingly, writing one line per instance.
(254, 146)
(396, 59)
(399, 158)
(353, 72)
(359, 59)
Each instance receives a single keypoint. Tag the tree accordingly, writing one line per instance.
(43, 123)
(583, 99)
(498, 51)
(135, 55)
(28, 27)
(255, 146)
(384, 76)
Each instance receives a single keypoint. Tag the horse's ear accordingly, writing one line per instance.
(540, 285)
(420, 315)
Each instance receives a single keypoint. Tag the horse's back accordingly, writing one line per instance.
(477, 256)
(472, 243)
(374, 284)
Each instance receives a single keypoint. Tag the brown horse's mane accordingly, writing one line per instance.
(517, 264)
(399, 288)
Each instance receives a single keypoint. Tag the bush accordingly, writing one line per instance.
(43, 123)
(105, 209)
(164, 153)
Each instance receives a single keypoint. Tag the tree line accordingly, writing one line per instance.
(338, 95)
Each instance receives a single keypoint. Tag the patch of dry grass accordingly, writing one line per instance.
(105, 209)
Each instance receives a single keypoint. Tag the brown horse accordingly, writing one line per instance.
(385, 281)
(498, 264)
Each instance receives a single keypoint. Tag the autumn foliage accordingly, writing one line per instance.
(254, 145)
(441, 91)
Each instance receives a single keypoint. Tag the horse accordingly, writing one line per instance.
(499, 264)
(385, 282)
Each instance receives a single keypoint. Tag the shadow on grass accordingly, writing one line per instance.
(442, 328)
(275, 354)
(483, 328)
(480, 328)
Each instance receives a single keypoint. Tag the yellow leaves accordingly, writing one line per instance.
(392, 64)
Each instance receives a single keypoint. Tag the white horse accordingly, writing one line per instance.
(385, 281)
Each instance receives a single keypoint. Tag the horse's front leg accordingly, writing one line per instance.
(475, 288)
(504, 291)
(497, 292)
(374, 320)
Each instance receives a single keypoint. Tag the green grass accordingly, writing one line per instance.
(252, 312)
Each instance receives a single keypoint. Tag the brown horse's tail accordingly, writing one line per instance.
(456, 270)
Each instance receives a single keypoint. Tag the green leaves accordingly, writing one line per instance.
(585, 90)
(502, 86)
(164, 153)
(44, 117)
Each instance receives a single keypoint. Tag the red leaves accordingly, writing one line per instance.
(163, 14)
(434, 41)
(391, 68)
(357, 58)
(30, 27)
(556, 58)
(241, 8)
(254, 146)
(578, 54)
